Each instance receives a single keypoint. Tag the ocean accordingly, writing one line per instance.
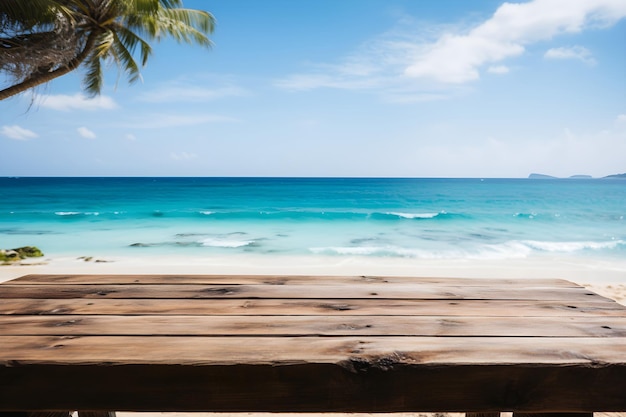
(337, 217)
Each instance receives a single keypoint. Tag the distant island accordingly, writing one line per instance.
(620, 176)
(573, 177)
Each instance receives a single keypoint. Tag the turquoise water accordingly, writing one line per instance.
(414, 218)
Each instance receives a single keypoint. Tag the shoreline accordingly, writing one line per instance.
(605, 277)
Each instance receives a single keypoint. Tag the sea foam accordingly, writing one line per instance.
(225, 243)
(572, 246)
(414, 215)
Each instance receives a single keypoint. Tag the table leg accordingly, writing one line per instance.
(96, 414)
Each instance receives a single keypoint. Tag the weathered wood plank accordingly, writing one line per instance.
(282, 280)
(373, 291)
(363, 387)
(403, 351)
(377, 344)
(313, 326)
(330, 306)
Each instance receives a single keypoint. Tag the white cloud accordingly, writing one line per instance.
(18, 133)
(195, 88)
(621, 118)
(130, 136)
(177, 92)
(377, 66)
(457, 58)
(498, 69)
(414, 97)
(413, 55)
(161, 121)
(86, 133)
(574, 52)
(183, 156)
(303, 82)
(64, 102)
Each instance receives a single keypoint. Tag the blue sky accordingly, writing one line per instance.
(409, 88)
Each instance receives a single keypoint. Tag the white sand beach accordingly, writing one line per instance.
(607, 278)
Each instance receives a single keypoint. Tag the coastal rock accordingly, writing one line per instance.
(9, 255)
(18, 254)
(29, 252)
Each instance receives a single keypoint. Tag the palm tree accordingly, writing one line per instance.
(41, 40)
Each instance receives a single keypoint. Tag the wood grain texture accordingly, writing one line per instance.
(326, 306)
(304, 291)
(282, 280)
(235, 350)
(95, 325)
(306, 343)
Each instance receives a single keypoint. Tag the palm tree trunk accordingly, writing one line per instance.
(44, 77)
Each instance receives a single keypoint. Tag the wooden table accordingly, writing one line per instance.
(315, 344)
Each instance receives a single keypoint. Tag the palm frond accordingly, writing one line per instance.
(124, 58)
(130, 40)
(31, 12)
(152, 6)
(104, 44)
(26, 15)
(184, 25)
(200, 20)
(93, 78)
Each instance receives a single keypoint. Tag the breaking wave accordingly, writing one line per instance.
(506, 250)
